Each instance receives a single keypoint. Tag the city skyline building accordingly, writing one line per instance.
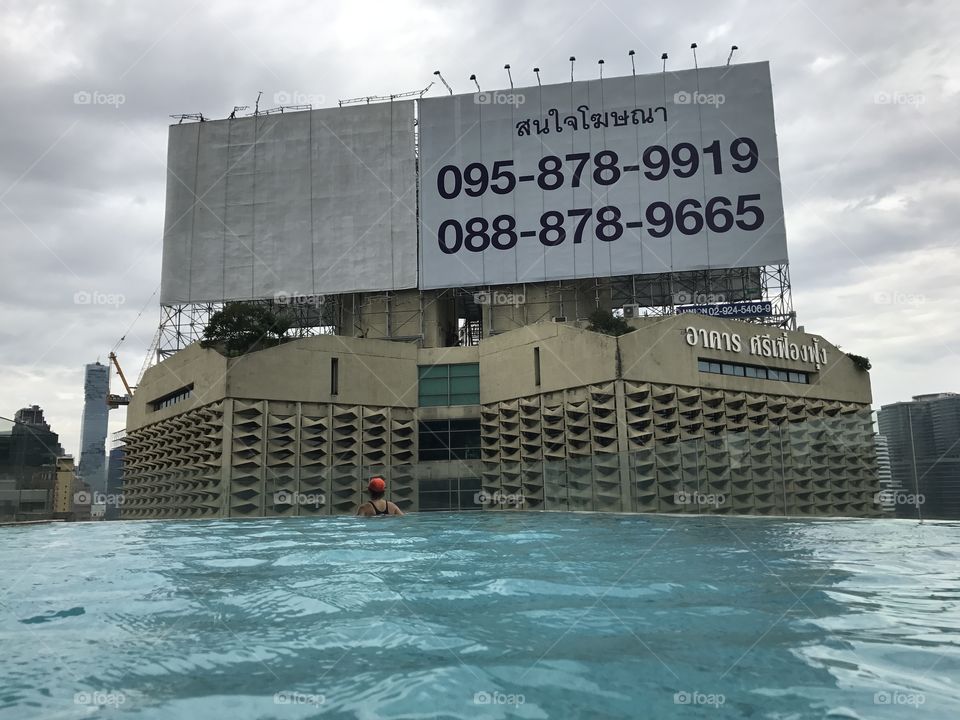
(92, 466)
(924, 441)
(28, 453)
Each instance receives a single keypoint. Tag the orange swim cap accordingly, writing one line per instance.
(377, 484)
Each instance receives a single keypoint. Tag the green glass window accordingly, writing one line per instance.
(449, 384)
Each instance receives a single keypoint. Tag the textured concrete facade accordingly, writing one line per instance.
(570, 420)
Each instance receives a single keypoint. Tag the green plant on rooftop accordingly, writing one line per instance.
(860, 362)
(603, 321)
(242, 327)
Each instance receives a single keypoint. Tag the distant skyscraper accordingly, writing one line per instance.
(924, 441)
(32, 420)
(32, 415)
(93, 431)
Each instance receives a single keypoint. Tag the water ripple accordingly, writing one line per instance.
(485, 615)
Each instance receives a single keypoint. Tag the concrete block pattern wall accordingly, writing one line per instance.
(256, 458)
(173, 469)
(619, 446)
(646, 447)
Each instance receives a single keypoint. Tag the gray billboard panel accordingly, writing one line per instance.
(303, 203)
(630, 175)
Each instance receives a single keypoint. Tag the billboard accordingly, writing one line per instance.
(643, 174)
(301, 203)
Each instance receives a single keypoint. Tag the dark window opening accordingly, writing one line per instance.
(752, 371)
(536, 366)
(449, 439)
(172, 398)
(450, 494)
(334, 376)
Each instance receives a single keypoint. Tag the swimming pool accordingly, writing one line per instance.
(528, 615)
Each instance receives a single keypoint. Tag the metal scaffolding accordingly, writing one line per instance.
(182, 325)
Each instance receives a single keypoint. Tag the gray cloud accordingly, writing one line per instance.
(870, 188)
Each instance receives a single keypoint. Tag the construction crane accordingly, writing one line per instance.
(115, 401)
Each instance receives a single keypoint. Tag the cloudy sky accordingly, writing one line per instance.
(866, 98)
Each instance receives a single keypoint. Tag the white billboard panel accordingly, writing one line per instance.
(302, 203)
(631, 175)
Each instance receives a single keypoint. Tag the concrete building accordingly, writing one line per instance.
(687, 413)
(93, 429)
(924, 441)
(28, 451)
(33, 418)
(63, 488)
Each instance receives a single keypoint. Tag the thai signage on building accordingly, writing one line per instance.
(766, 346)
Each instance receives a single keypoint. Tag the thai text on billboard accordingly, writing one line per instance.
(643, 174)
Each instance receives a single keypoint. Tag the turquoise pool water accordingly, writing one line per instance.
(492, 615)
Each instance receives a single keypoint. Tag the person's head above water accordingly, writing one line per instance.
(377, 487)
